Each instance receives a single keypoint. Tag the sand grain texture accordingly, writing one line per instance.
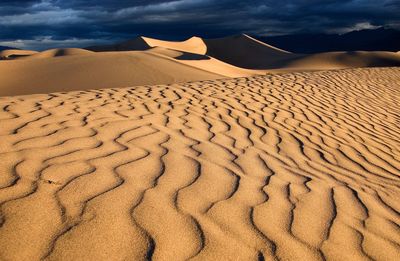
(301, 166)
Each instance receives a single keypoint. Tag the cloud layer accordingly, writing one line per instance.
(77, 22)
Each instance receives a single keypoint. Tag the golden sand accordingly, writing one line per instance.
(300, 166)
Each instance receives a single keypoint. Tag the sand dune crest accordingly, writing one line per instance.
(192, 45)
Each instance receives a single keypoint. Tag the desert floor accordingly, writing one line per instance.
(297, 166)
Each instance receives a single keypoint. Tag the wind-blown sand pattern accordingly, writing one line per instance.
(301, 166)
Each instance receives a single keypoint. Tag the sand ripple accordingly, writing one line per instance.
(297, 166)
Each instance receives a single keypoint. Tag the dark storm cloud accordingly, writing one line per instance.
(57, 22)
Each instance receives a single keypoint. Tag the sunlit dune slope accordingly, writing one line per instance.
(15, 54)
(93, 71)
(192, 45)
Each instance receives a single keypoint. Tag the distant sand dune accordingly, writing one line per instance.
(60, 52)
(246, 52)
(300, 166)
(93, 71)
(15, 54)
(193, 45)
(205, 63)
(340, 60)
(148, 61)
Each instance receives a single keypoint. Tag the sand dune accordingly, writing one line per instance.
(338, 60)
(205, 62)
(60, 52)
(137, 44)
(27, 54)
(15, 54)
(192, 45)
(246, 52)
(79, 69)
(147, 61)
(241, 50)
(94, 71)
(300, 166)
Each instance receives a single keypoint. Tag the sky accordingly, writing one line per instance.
(42, 24)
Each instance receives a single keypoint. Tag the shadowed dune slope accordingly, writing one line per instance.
(300, 166)
(79, 71)
(248, 53)
(137, 44)
(339, 60)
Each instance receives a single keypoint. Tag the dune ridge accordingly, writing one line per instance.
(148, 61)
(299, 166)
(194, 45)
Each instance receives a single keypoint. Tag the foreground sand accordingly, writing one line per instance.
(301, 166)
